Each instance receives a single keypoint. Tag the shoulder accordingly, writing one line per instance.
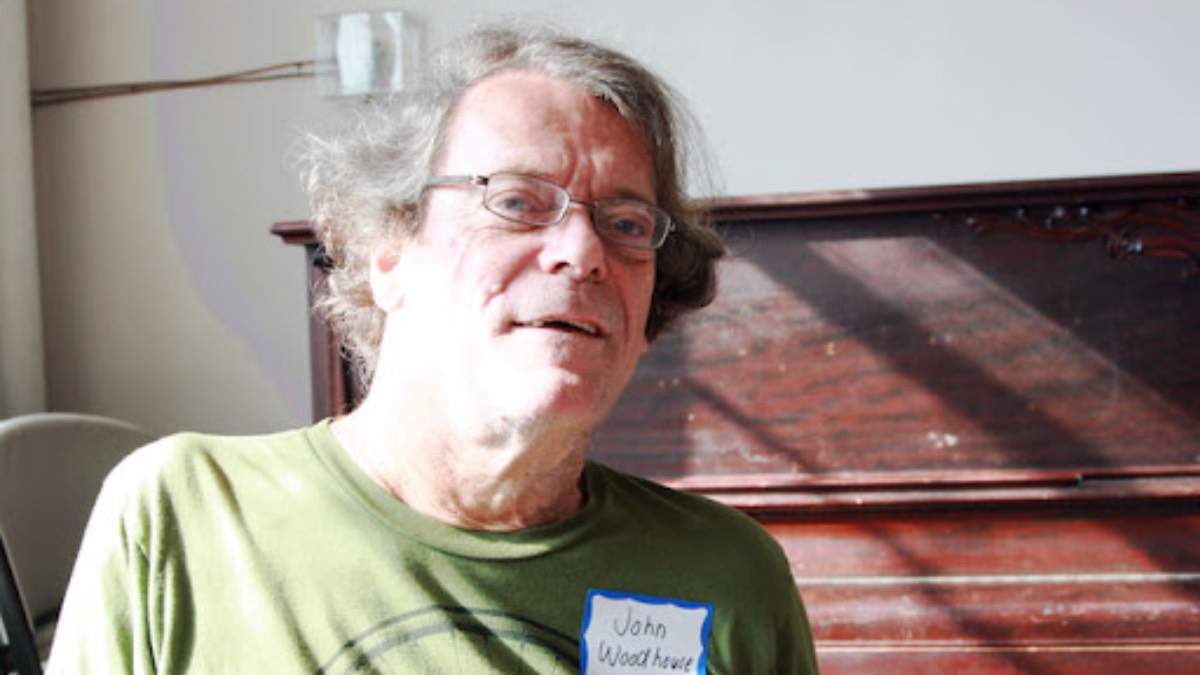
(685, 514)
(195, 468)
(632, 491)
(190, 451)
(703, 550)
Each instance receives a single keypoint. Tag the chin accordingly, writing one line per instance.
(560, 396)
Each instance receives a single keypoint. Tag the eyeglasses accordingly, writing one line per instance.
(535, 201)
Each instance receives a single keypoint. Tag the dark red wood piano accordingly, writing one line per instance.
(970, 414)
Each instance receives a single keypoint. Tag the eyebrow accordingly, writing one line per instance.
(625, 193)
(619, 193)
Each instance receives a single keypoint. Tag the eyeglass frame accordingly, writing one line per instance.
(483, 182)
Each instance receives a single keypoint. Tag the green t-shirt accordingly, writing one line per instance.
(276, 554)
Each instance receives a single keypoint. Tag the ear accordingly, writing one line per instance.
(387, 277)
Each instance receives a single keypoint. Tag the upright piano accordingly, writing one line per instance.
(970, 414)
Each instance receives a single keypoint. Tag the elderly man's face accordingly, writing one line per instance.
(522, 323)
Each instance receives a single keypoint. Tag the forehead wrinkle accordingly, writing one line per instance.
(564, 134)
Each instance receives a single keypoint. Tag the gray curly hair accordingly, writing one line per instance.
(367, 182)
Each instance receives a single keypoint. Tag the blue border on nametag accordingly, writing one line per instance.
(705, 629)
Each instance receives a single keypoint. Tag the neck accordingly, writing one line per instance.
(505, 477)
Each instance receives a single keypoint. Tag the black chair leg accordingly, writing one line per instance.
(20, 654)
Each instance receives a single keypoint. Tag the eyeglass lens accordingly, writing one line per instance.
(526, 199)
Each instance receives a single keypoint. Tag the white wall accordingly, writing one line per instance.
(166, 301)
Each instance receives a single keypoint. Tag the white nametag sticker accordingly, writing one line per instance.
(626, 633)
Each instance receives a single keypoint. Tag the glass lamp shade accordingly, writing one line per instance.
(366, 53)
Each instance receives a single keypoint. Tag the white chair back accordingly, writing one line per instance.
(51, 468)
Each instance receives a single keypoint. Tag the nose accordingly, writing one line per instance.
(572, 247)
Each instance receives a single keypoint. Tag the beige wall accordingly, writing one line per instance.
(167, 303)
(22, 384)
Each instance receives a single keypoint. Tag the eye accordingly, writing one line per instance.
(523, 202)
(626, 220)
(512, 201)
(632, 228)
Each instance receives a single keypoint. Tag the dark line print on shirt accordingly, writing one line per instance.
(394, 641)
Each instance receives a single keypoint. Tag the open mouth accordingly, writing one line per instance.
(567, 325)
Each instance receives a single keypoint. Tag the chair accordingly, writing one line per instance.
(18, 648)
(51, 468)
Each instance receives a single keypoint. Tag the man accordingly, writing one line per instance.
(507, 240)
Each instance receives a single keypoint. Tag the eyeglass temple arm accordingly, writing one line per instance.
(458, 180)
